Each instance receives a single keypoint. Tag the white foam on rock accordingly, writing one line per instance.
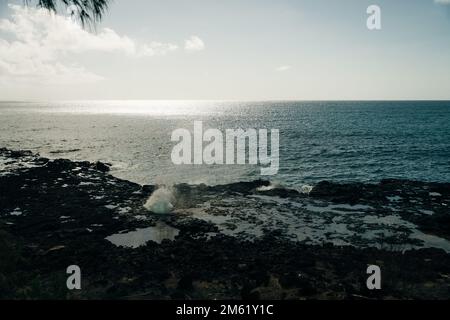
(16, 212)
(435, 194)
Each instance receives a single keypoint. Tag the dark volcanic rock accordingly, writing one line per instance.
(102, 167)
(407, 197)
(57, 213)
(343, 193)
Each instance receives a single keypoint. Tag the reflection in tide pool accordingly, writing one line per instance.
(140, 237)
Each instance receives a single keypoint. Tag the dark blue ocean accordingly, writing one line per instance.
(338, 141)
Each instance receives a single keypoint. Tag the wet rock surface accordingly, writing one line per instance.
(241, 241)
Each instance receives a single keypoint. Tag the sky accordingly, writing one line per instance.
(228, 50)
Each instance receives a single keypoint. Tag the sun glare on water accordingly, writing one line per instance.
(135, 107)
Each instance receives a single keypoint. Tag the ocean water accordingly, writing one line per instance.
(337, 141)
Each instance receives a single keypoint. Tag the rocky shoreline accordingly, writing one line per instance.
(248, 240)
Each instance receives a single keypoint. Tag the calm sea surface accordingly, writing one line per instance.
(338, 141)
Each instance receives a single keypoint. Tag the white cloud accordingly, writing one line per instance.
(442, 1)
(283, 68)
(194, 43)
(35, 71)
(40, 39)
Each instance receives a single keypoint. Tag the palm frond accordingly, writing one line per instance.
(87, 11)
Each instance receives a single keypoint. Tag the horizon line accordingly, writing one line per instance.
(228, 100)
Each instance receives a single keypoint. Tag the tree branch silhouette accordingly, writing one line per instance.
(89, 12)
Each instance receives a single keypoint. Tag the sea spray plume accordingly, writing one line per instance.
(161, 201)
(273, 185)
(305, 189)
